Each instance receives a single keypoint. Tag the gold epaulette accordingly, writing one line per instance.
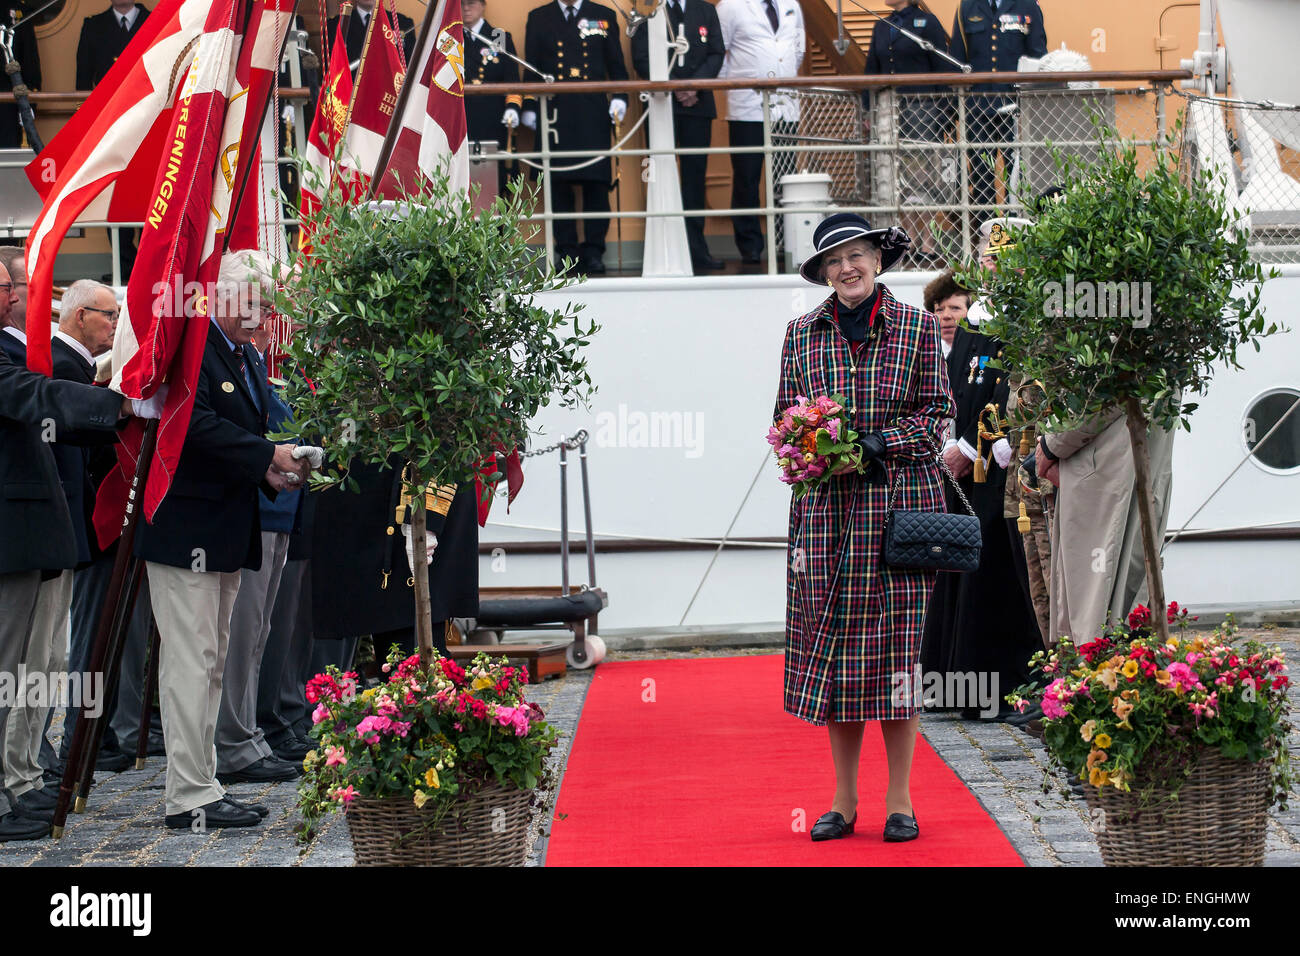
(437, 500)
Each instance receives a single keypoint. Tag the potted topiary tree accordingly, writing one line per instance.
(1125, 294)
(419, 337)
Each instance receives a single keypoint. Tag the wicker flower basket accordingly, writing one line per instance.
(1220, 818)
(492, 831)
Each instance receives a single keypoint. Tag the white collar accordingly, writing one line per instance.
(76, 346)
(577, 7)
(17, 333)
(947, 348)
(477, 29)
(365, 14)
(131, 16)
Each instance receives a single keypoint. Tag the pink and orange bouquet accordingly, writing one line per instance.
(813, 441)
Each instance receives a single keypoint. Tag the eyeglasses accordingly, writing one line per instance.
(112, 314)
(6, 287)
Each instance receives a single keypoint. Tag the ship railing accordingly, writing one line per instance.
(938, 162)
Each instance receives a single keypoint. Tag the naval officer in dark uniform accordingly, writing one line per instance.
(924, 115)
(576, 41)
(992, 36)
(693, 110)
(29, 61)
(490, 118)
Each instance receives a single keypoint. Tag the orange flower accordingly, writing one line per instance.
(1098, 777)
(1096, 757)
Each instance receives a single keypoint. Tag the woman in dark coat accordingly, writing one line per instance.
(980, 630)
(853, 624)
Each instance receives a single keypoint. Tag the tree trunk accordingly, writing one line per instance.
(1137, 434)
(420, 573)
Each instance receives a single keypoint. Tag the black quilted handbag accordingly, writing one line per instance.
(932, 540)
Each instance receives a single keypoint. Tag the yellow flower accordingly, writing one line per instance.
(1197, 645)
(1119, 779)
(1162, 678)
(1087, 730)
(421, 798)
(1102, 741)
(1129, 669)
(1096, 757)
(366, 695)
(308, 760)
(431, 778)
(1098, 777)
(480, 683)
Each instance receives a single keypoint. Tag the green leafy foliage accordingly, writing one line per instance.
(421, 333)
(1116, 234)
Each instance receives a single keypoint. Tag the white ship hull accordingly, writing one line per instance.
(686, 371)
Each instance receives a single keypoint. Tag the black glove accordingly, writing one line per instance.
(873, 449)
(872, 445)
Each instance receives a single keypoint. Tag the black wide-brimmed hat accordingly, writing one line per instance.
(844, 226)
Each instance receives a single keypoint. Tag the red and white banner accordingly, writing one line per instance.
(430, 125)
(214, 138)
(102, 165)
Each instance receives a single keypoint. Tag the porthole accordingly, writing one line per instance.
(1281, 453)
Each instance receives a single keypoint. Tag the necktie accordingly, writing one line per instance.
(126, 28)
(772, 17)
(243, 370)
(568, 15)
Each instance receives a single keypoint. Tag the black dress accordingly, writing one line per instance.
(980, 623)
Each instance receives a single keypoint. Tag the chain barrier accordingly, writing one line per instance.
(568, 444)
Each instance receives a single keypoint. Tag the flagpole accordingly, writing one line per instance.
(432, 11)
(246, 167)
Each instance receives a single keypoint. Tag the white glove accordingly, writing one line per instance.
(286, 113)
(529, 119)
(317, 455)
(150, 407)
(617, 110)
(1002, 452)
(430, 542)
(510, 118)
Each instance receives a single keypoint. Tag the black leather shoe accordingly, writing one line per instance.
(218, 813)
(752, 258)
(259, 808)
(15, 826)
(595, 267)
(265, 770)
(831, 826)
(707, 264)
(35, 802)
(292, 749)
(899, 828)
(113, 762)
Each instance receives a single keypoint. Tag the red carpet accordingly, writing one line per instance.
(713, 772)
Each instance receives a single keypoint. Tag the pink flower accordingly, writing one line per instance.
(1183, 678)
(320, 714)
(334, 757)
(1052, 698)
(344, 794)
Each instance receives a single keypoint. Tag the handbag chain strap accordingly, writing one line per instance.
(943, 466)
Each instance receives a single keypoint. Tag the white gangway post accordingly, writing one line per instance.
(666, 251)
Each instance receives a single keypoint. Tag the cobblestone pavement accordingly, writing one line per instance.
(1004, 767)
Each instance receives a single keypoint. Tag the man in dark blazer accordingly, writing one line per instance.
(28, 57)
(205, 531)
(489, 118)
(693, 110)
(576, 40)
(38, 537)
(86, 326)
(359, 23)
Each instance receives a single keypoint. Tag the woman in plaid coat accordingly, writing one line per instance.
(853, 624)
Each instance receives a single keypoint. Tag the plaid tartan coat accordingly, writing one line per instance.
(853, 625)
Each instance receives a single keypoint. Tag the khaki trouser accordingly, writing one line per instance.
(47, 655)
(192, 609)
